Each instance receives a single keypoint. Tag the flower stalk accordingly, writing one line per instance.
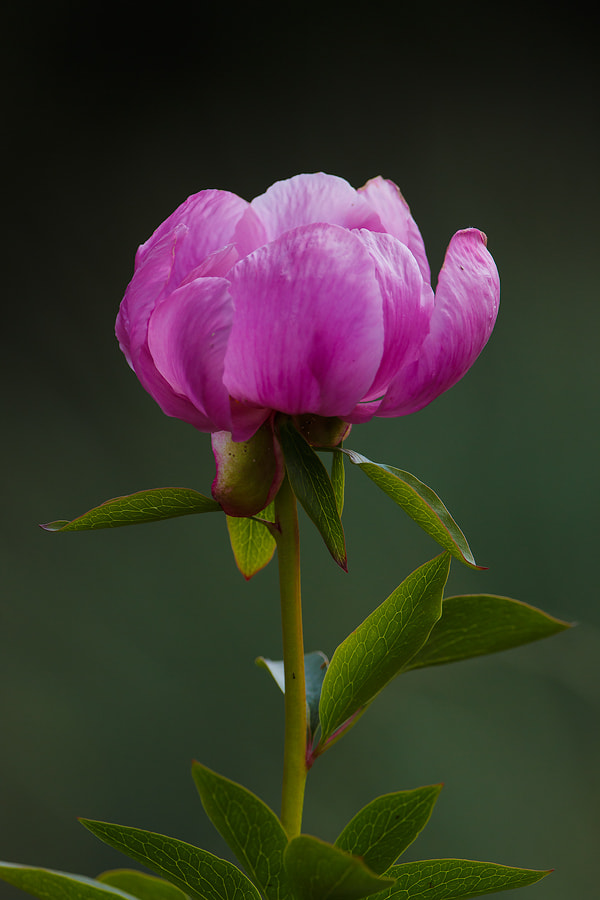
(294, 755)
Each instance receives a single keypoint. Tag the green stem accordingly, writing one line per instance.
(294, 754)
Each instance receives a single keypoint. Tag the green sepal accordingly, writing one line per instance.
(312, 486)
(383, 829)
(249, 827)
(50, 885)
(421, 503)
(252, 543)
(477, 624)
(381, 647)
(319, 870)
(140, 885)
(324, 432)
(197, 872)
(455, 879)
(134, 509)
(315, 666)
(248, 473)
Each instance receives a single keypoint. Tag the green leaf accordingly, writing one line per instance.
(252, 543)
(420, 503)
(383, 829)
(195, 871)
(338, 480)
(313, 488)
(140, 885)
(251, 829)
(134, 509)
(320, 871)
(454, 879)
(50, 885)
(381, 647)
(476, 624)
(315, 666)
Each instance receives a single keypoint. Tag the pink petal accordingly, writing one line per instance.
(187, 339)
(246, 420)
(407, 305)
(151, 281)
(307, 199)
(364, 412)
(384, 197)
(171, 403)
(213, 219)
(307, 333)
(217, 264)
(466, 305)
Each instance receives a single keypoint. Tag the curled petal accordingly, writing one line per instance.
(216, 265)
(385, 199)
(213, 219)
(307, 199)
(407, 306)
(307, 333)
(466, 305)
(187, 338)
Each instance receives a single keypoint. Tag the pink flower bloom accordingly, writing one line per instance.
(313, 298)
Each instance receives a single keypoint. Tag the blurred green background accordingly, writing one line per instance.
(124, 654)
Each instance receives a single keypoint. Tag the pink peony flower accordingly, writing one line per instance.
(313, 298)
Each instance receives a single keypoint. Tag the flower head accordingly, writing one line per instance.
(315, 298)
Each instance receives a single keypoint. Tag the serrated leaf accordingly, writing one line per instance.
(140, 885)
(195, 871)
(477, 624)
(315, 666)
(312, 486)
(320, 871)
(381, 646)
(383, 829)
(251, 829)
(135, 509)
(454, 879)
(51, 885)
(252, 543)
(338, 480)
(421, 503)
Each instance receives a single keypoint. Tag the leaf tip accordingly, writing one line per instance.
(469, 560)
(340, 556)
(52, 526)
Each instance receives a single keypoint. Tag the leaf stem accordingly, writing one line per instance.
(294, 758)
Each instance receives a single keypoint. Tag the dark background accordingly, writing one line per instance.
(126, 653)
